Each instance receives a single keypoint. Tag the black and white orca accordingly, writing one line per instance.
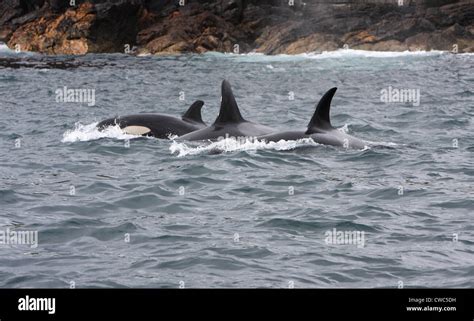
(229, 122)
(320, 129)
(159, 125)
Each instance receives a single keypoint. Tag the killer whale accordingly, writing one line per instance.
(319, 128)
(229, 122)
(159, 125)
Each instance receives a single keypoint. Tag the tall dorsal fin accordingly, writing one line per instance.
(229, 112)
(194, 112)
(320, 119)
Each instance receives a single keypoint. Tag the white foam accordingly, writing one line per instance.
(337, 54)
(232, 145)
(4, 48)
(275, 69)
(384, 144)
(343, 53)
(254, 57)
(84, 133)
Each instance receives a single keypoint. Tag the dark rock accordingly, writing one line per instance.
(5, 33)
(268, 26)
(10, 9)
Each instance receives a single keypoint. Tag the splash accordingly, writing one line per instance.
(84, 133)
(4, 47)
(5, 51)
(182, 149)
(227, 145)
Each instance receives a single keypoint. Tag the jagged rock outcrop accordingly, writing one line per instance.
(267, 26)
(190, 30)
(79, 30)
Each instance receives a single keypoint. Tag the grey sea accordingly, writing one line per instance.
(114, 210)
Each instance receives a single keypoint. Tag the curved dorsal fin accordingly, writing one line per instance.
(229, 112)
(320, 119)
(194, 112)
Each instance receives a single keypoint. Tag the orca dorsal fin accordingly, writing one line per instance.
(229, 112)
(194, 112)
(320, 119)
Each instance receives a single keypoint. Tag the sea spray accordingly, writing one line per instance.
(226, 145)
(91, 132)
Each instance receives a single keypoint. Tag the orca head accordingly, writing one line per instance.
(193, 114)
(321, 122)
(229, 111)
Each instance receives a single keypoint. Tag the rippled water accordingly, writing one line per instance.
(227, 215)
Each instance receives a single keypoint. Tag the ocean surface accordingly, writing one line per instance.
(113, 210)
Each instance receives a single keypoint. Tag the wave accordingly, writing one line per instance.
(4, 48)
(84, 133)
(340, 53)
(227, 145)
(255, 56)
(182, 149)
(6, 51)
(343, 53)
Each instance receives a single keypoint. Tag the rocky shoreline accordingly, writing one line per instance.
(269, 26)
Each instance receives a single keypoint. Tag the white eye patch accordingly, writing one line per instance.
(136, 130)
